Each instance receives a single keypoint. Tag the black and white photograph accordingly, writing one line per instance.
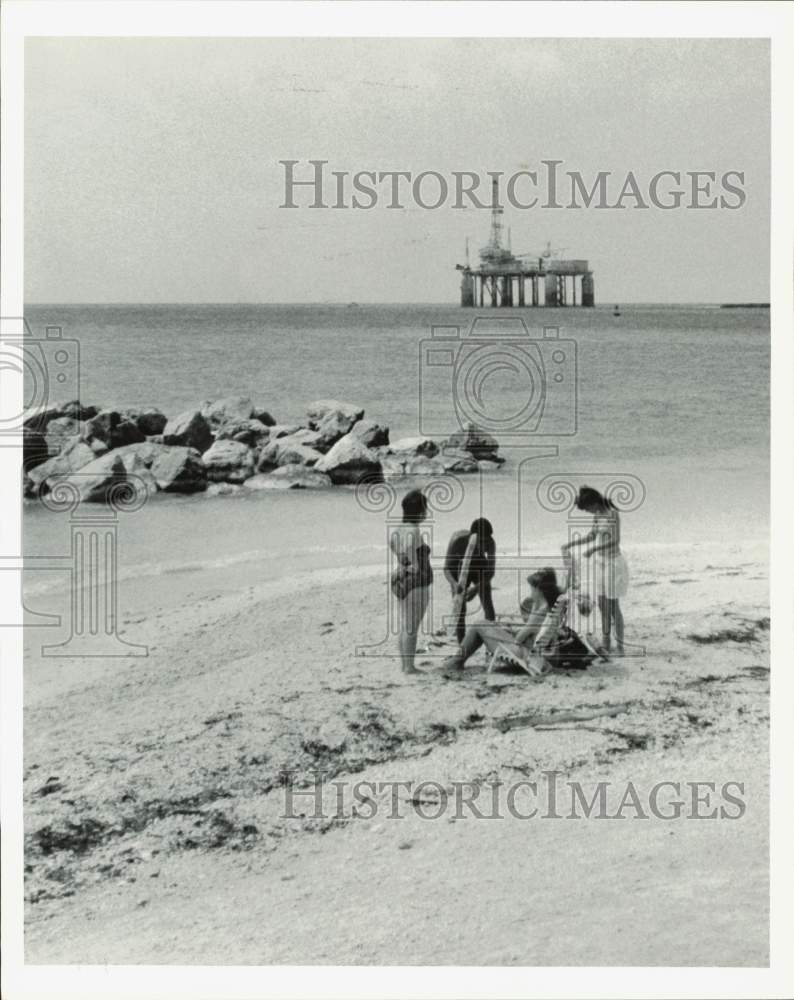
(388, 422)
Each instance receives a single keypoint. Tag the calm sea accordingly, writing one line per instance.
(676, 397)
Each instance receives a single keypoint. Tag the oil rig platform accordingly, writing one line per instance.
(527, 279)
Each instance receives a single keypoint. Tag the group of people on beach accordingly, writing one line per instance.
(544, 637)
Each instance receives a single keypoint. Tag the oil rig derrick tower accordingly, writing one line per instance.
(503, 278)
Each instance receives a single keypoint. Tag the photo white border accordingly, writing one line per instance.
(409, 19)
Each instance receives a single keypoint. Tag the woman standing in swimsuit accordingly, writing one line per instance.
(610, 569)
(413, 563)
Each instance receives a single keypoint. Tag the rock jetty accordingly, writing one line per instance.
(225, 444)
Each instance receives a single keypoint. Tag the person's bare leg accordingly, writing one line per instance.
(460, 624)
(486, 599)
(413, 610)
(488, 633)
(617, 616)
(606, 622)
(407, 643)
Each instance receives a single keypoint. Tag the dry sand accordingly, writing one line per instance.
(155, 813)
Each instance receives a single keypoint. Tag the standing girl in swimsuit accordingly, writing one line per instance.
(414, 574)
(610, 572)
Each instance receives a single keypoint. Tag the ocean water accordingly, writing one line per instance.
(675, 398)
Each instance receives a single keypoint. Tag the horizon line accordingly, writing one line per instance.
(354, 303)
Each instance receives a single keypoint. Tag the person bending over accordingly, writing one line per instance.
(481, 571)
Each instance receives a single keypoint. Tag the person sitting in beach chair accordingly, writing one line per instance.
(557, 644)
(499, 639)
(543, 643)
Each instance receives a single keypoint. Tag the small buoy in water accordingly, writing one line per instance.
(616, 311)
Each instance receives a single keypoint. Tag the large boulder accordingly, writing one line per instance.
(39, 419)
(290, 477)
(74, 409)
(321, 408)
(179, 470)
(286, 451)
(189, 430)
(146, 451)
(284, 430)
(151, 421)
(473, 439)
(61, 432)
(462, 462)
(332, 427)
(412, 447)
(424, 466)
(392, 467)
(303, 436)
(349, 461)
(263, 416)
(34, 448)
(229, 462)
(230, 408)
(250, 432)
(76, 456)
(113, 428)
(139, 474)
(370, 434)
(77, 411)
(95, 481)
(138, 461)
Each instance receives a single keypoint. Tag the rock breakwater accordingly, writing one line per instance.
(230, 443)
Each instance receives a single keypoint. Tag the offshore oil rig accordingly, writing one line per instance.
(524, 279)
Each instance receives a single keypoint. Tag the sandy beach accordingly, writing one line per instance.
(155, 809)
(300, 303)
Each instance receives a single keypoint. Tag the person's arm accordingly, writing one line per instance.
(398, 545)
(571, 581)
(552, 622)
(609, 534)
(485, 568)
(567, 546)
(490, 552)
(449, 562)
(529, 631)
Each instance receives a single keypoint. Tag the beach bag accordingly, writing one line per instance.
(568, 651)
(403, 581)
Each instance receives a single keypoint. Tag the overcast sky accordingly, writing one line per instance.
(152, 169)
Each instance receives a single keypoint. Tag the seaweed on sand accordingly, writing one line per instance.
(743, 633)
